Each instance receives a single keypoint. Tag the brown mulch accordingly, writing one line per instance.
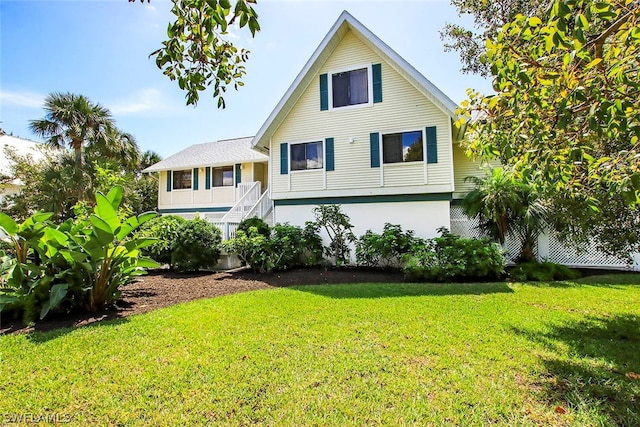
(163, 288)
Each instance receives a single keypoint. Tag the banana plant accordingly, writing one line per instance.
(27, 278)
(103, 249)
(82, 262)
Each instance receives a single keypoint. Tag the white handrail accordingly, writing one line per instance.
(263, 206)
(237, 212)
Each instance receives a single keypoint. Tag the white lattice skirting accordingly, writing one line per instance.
(549, 248)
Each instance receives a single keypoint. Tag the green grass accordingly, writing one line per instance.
(365, 354)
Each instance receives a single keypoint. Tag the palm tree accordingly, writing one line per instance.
(502, 206)
(74, 121)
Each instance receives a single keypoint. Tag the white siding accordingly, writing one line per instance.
(422, 217)
(403, 108)
(203, 198)
(463, 167)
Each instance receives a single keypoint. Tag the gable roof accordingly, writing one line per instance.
(345, 23)
(217, 153)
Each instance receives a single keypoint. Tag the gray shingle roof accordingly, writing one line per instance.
(217, 153)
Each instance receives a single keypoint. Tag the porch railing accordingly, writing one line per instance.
(262, 207)
(251, 195)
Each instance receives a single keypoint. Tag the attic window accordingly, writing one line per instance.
(350, 87)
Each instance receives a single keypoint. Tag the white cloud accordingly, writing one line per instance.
(147, 100)
(21, 99)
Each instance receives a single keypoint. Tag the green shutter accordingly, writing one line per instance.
(195, 178)
(284, 158)
(324, 93)
(432, 145)
(169, 180)
(376, 70)
(207, 178)
(329, 154)
(374, 140)
(238, 174)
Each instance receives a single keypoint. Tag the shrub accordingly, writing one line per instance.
(80, 263)
(261, 226)
(165, 230)
(542, 271)
(252, 248)
(338, 226)
(294, 246)
(386, 249)
(197, 245)
(288, 246)
(452, 257)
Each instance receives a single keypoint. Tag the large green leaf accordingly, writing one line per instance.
(8, 224)
(6, 300)
(105, 211)
(115, 196)
(102, 230)
(57, 293)
(147, 263)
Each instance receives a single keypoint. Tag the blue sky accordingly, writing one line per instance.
(100, 49)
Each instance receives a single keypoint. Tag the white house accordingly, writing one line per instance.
(211, 179)
(359, 127)
(21, 147)
(362, 128)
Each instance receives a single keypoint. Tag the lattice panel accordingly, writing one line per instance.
(462, 225)
(590, 257)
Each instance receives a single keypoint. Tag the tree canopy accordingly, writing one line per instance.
(198, 54)
(76, 122)
(488, 18)
(566, 113)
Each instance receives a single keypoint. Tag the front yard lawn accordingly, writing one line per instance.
(564, 353)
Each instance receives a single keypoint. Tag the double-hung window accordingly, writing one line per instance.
(350, 87)
(182, 179)
(306, 156)
(402, 147)
(223, 177)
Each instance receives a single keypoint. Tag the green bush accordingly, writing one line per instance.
(252, 248)
(197, 245)
(288, 246)
(451, 257)
(542, 272)
(295, 246)
(165, 230)
(261, 226)
(79, 264)
(386, 249)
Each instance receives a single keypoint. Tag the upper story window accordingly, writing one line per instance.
(306, 156)
(223, 177)
(182, 179)
(402, 147)
(350, 87)
(360, 85)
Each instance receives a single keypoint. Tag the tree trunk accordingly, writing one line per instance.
(76, 144)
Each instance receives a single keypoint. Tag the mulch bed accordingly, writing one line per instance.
(163, 288)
